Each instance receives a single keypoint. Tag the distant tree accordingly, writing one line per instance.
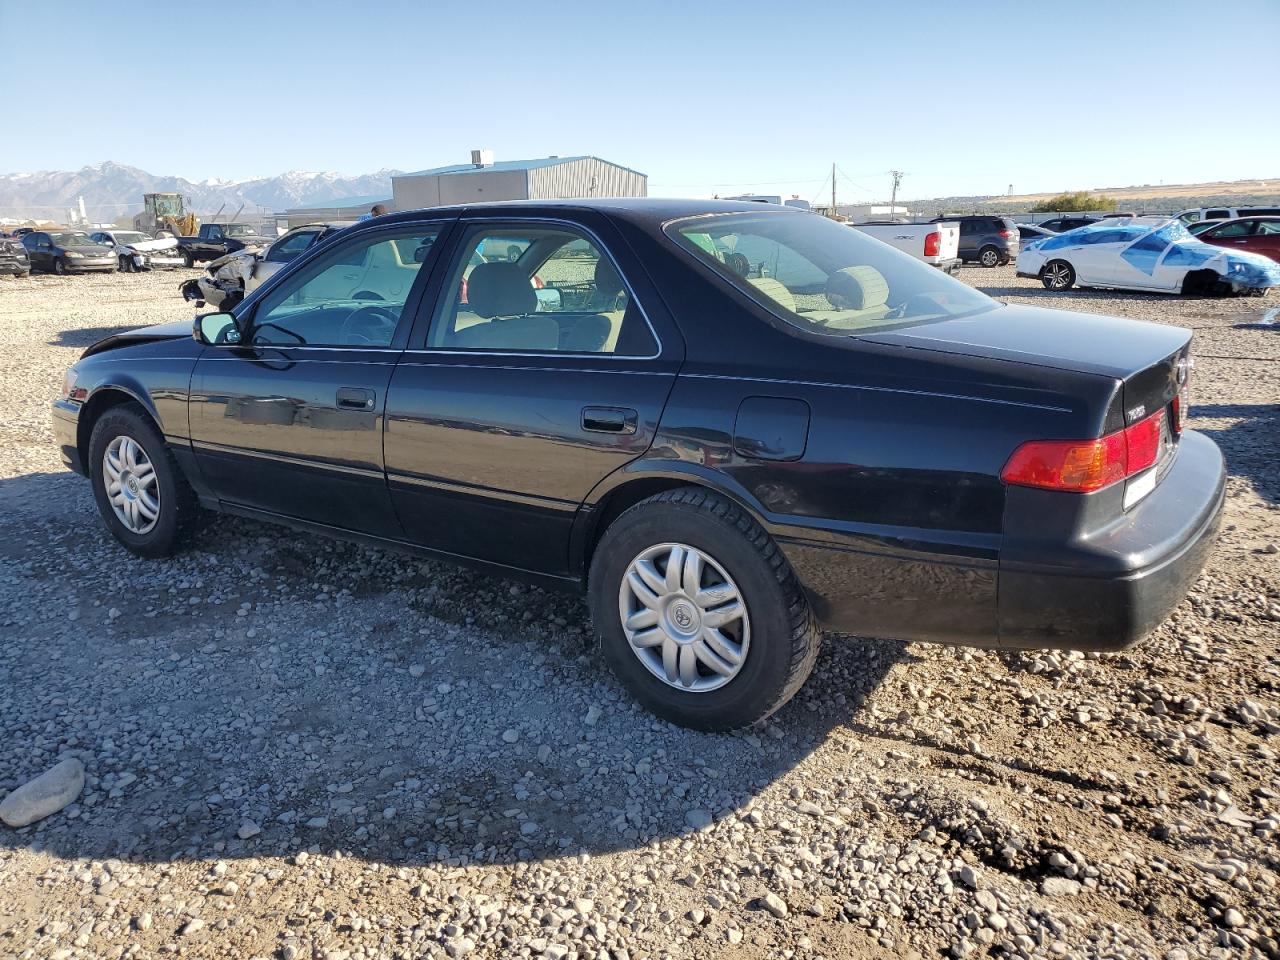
(1077, 202)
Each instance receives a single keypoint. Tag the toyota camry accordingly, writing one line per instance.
(732, 427)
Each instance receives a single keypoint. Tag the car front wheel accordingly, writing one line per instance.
(698, 613)
(141, 493)
(1058, 275)
(59, 267)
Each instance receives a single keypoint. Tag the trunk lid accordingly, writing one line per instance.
(1083, 342)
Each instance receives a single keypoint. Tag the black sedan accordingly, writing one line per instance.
(731, 426)
(67, 251)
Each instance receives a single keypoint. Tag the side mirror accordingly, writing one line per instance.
(216, 329)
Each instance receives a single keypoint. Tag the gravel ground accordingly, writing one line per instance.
(301, 748)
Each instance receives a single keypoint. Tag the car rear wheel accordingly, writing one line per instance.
(698, 613)
(141, 493)
(188, 260)
(989, 257)
(1058, 275)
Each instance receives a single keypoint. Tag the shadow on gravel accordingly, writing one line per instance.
(86, 336)
(265, 692)
(1251, 444)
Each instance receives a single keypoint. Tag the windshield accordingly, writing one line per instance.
(125, 236)
(821, 276)
(72, 240)
(240, 230)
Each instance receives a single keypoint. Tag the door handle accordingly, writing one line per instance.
(609, 420)
(355, 398)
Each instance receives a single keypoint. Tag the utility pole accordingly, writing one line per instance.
(833, 190)
(893, 198)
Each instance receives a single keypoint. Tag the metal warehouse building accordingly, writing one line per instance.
(545, 179)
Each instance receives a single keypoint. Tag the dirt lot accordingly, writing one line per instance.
(300, 748)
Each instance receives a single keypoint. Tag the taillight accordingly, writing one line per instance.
(932, 244)
(1006, 234)
(1082, 466)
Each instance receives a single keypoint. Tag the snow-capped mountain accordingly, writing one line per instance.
(112, 189)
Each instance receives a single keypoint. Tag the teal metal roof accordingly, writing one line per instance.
(342, 202)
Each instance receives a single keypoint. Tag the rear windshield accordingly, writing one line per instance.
(822, 276)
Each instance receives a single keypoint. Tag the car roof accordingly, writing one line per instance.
(647, 211)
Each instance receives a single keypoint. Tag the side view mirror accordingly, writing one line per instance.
(216, 329)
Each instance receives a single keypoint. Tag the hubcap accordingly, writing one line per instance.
(684, 617)
(132, 488)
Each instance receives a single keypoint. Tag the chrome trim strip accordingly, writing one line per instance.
(489, 493)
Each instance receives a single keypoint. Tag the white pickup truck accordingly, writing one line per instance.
(937, 244)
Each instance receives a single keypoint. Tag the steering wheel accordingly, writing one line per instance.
(919, 302)
(371, 324)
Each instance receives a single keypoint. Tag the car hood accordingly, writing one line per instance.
(1082, 342)
(153, 246)
(161, 331)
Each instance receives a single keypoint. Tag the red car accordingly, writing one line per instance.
(1252, 234)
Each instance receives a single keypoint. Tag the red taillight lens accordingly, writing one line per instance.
(1082, 466)
(932, 244)
(1006, 234)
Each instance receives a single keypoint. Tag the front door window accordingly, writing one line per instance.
(351, 298)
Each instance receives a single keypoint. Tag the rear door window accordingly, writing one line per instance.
(538, 288)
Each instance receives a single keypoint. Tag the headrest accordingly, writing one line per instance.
(500, 289)
(608, 280)
(857, 288)
(775, 290)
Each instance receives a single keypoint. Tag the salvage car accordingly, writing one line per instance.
(216, 240)
(13, 257)
(228, 279)
(135, 250)
(1144, 253)
(67, 251)
(726, 461)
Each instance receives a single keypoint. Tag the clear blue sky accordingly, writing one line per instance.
(705, 97)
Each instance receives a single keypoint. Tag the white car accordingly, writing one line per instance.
(1144, 253)
(135, 250)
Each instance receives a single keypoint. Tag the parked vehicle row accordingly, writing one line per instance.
(67, 251)
(723, 459)
(990, 241)
(1146, 253)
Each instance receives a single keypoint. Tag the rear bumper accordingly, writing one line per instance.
(1120, 583)
(948, 266)
(66, 420)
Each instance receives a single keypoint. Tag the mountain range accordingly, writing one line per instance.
(113, 189)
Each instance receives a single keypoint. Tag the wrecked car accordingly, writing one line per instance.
(136, 251)
(1148, 254)
(227, 280)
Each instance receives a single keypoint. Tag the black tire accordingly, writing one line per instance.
(59, 267)
(784, 635)
(989, 257)
(188, 260)
(126, 265)
(179, 508)
(1058, 275)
